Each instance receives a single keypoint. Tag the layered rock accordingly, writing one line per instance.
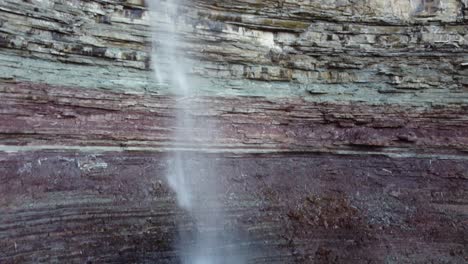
(343, 130)
(378, 51)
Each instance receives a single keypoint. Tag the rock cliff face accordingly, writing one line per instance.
(343, 130)
(401, 51)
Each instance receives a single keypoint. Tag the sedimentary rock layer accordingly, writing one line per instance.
(114, 207)
(343, 131)
(82, 175)
(411, 52)
(35, 115)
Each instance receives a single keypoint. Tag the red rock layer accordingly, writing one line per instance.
(82, 179)
(37, 115)
(114, 207)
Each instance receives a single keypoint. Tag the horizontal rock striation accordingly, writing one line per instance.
(113, 207)
(82, 175)
(41, 116)
(399, 51)
(343, 130)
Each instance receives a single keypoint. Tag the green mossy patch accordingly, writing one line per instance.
(286, 24)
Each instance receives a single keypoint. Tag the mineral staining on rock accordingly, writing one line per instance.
(343, 130)
(374, 51)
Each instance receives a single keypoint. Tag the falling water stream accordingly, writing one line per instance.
(191, 176)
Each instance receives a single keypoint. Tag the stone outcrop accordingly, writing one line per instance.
(343, 130)
(374, 51)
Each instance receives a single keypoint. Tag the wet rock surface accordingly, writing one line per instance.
(66, 206)
(42, 116)
(343, 130)
(82, 176)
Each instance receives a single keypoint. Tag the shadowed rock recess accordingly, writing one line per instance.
(342, 130)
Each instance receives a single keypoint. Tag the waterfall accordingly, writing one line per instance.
(191, 175)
